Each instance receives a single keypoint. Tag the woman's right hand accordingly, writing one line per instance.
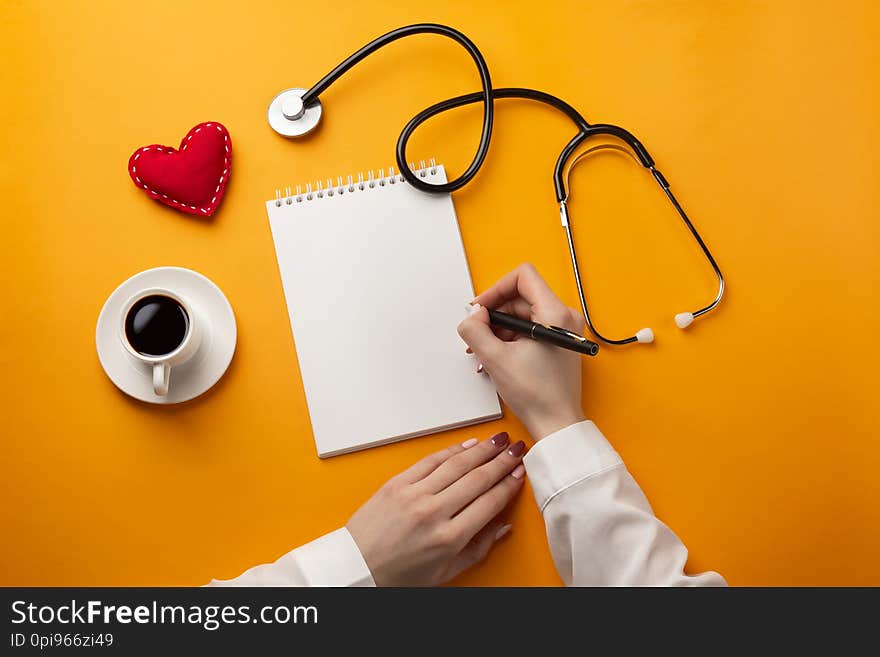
(541, 383)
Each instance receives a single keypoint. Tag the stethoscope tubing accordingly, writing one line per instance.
(485, 95)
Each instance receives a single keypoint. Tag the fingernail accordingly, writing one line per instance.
(480, 368)
(470, 442)
(500, 439)
(468, 351)
(518, 472)
(517, 448)
(504, 531)
(472, 308)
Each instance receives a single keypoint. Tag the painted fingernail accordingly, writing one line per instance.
(517, 448)
(468, 351)
(518, 472)
(470, 442)
(480, 368)
(504, 531)
(500, 439)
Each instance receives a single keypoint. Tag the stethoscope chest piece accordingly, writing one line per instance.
(289, 118)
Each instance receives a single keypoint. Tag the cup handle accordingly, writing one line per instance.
(161, 374)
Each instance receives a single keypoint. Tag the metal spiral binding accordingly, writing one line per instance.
(326, 187)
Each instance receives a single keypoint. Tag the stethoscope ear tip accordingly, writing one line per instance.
(645, 336)
(683, 320)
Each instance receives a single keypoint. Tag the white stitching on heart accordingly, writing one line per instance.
(165, 149)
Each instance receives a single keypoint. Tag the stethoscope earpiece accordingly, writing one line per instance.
(683, 320)
(289, 117)
(645, 336)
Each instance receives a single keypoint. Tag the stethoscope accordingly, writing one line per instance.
(296, 112)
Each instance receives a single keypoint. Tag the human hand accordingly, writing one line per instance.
(540, 382)
(441, 516)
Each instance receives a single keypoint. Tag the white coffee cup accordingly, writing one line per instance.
(161, 364)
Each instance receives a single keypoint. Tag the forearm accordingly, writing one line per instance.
(601, 528)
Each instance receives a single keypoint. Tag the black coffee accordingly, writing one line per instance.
(156, 325)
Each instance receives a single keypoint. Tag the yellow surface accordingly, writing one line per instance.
(754, 434)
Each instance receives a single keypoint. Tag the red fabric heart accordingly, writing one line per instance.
(191, 179)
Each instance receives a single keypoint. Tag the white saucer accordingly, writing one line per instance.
(195, 376)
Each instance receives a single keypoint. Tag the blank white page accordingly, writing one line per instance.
(376, 282)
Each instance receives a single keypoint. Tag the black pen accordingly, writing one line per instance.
(559, 337)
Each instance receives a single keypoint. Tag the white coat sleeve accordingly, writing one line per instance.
(601, 529)
(332, 560)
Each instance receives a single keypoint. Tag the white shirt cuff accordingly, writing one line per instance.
(567, 457)
(333, 560)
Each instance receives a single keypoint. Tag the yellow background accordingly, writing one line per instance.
(754, 434)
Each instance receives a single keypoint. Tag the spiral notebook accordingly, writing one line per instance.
(376, 281)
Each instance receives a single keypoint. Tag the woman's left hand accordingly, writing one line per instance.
(442, 515)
